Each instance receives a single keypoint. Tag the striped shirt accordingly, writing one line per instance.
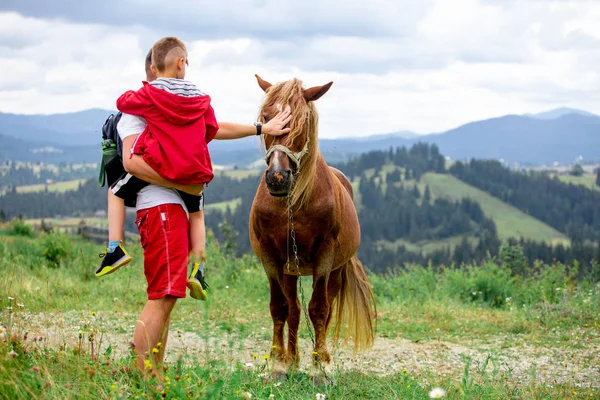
(180, 87)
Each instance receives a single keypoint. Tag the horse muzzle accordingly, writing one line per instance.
(279, 181)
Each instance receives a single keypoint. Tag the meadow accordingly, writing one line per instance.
(477, 332)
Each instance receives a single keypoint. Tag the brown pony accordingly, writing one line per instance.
(325, 230)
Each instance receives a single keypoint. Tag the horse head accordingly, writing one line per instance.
(288, 154)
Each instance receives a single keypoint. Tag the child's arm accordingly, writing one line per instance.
(137, 167)
(275, 127)
(198, 236)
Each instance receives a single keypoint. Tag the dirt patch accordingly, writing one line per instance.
(520, 362)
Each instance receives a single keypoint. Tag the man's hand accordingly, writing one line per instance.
(276, 126)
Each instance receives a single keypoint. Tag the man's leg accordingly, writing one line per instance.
(152, 328)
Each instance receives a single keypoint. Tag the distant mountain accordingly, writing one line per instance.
(75, 129)
(560, 112)
(558, 135)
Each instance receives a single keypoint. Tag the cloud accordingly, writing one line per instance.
(422, 66)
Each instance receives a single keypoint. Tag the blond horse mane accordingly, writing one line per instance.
(304, 125)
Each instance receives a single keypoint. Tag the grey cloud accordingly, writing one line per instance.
(208, 20)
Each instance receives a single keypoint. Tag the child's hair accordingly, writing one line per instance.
(148, 63)
(168, 47)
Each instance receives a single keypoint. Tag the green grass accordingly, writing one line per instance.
(428, 246)
(478, 332)
(222, 206)
(510, 221)
(53, 187)
(587, 180)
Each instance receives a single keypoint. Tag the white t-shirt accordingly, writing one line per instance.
(151, 195)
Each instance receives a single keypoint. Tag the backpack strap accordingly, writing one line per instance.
(111, 145)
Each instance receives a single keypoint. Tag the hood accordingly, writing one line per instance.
(179, 110)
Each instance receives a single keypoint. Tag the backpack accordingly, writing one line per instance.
(112, 146)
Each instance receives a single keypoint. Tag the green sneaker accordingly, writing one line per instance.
(196, 282)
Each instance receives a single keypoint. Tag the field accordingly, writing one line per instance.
(53, 187)
(587, 180)
(478, 333)
(510, 221)
(222, 206)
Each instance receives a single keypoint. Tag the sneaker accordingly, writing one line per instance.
(113, 261)
(196, 282)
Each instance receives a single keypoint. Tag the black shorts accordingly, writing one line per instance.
(127, 187)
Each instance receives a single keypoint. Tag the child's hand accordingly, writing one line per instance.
(276, 126)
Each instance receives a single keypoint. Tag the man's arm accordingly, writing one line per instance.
(137, 167)
(275, 127)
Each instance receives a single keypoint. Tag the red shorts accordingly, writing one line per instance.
(164, 235)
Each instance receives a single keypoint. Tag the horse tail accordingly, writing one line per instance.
(356, 306)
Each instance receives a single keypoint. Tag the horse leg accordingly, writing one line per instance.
(290, 288)
(279, 313)
(319, 306)
(333, 291)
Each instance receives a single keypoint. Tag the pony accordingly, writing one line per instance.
(304, 210)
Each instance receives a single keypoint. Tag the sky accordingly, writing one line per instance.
(424, 66)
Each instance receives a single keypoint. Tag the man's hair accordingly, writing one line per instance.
(148, 63)
(167, 50)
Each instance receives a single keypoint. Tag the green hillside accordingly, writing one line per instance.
(510, 221)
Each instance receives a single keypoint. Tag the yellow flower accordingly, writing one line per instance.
(265, 357)
(93, 314)
(255, 355)
(405, 371)
(154, 350)
(159, 344)
(167, 379)
(147, 364)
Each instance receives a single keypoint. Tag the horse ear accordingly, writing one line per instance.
(315, 93)
(264, 85)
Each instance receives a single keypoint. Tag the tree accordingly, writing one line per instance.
(577, 170)
(598, 176)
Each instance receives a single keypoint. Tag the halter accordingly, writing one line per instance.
(294, 156)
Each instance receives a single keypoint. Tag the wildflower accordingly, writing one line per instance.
(246, 395)
(154, 350)
(265, 357)
(271, 396)
(20, 305)
(254, 355)
(93, 314)
(405, 371)
(159, 387)
(9, 308)
(11, 298)
(277, 384)
(132, 345)
(249, 365)
(158, 345)
(437, 393)
(2, 332)
(147, 364)
(319, 396)
(115, 299)
(12, 354)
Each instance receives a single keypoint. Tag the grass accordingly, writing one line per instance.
(479, 333)
(587, 180)
(53, 187)
(510, 221)
(71, 221)
(428, 246)
(222, 206)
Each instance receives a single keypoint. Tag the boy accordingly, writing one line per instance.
(127, 187)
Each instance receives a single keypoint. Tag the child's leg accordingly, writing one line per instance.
(153, 327)
(197, 237)
(196, 282)
(115, 256)
(116, 217)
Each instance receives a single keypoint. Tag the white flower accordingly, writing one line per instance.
(320, 396)
(12, 354)
(2, 332)
(249, 365)
(226, 287)
(437, 393)
(246, 396)
(11, 298)
(271, 396)
(277, 384)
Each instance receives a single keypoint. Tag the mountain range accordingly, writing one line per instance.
(559, 135)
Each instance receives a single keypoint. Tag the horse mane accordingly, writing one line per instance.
(304, 125)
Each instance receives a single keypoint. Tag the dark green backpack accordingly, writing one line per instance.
(112, 146)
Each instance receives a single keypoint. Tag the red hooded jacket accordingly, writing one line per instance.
(178, 130)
